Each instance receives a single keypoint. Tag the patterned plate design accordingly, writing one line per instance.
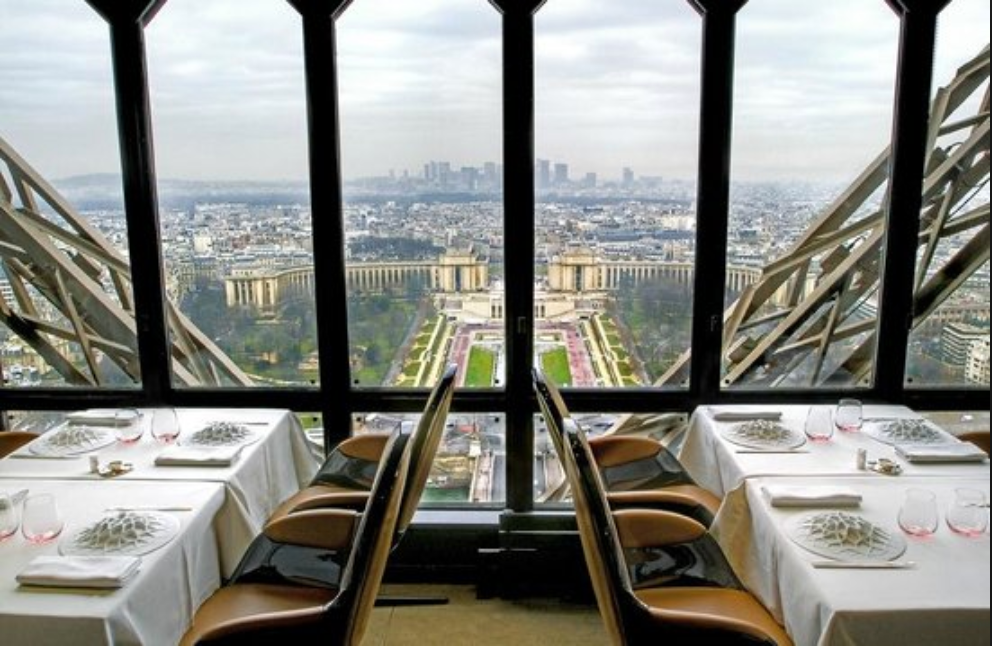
(125, 532)
(763, 434)
(845, 536)
(221, 434)
(908, 431)
(73, 439)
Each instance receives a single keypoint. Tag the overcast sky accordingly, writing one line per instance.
(617, 85)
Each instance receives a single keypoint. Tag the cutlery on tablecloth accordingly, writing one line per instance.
(864, 565)
(771, 451)
(150, 508)
(38, 456)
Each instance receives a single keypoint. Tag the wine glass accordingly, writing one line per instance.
(8, 517)
(918, 514)
(41, 521)
(165, 425)
(819, 427)
(967, 514)
(127, 425)
(847, 415)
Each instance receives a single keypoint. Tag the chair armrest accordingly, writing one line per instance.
(322, 528)
(646, 528)
(611, 450)
(364, 447)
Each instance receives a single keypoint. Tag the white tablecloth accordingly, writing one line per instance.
(943, 600)
(267, 472)
(153, 608)
(721, 466)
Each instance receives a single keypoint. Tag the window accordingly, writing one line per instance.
(813, 100)
(237, 246)
(949, 342)
(453, 160)
(59, 163)
(615, 182)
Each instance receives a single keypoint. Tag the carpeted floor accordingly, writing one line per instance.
(466, 620)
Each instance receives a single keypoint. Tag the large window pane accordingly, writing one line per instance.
(67, 316)
(226, 80)
(949, 342)
(813, 96)
(616, 136)
(420, 127)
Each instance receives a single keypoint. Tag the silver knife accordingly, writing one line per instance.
(864, 565)
(36, 456)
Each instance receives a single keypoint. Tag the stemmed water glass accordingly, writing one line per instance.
(41, 521)
(918, 514)
(847, 415)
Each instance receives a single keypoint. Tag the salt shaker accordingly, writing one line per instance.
(861, 461)
(94, 463)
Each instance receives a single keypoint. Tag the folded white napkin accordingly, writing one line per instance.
(811, 496)
(101, 416)
(744, 415)
(79, 571)
(950, 452)
(189, 456)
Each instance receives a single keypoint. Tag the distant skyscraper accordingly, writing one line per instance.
(543, 173)
(561, 174)
(589, 181)
(628, 177)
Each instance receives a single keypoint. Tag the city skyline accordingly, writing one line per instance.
(813, 86)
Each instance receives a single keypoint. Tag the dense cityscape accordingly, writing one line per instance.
(216, 232)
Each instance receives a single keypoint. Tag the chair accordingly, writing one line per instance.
(262, 612)
(641, 472)
(291, 546)
(10, 441)
(978, 438)
(647, 613)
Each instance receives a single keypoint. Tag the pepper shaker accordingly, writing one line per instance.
(861, 461)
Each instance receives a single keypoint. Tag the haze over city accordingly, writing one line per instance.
(617, 85)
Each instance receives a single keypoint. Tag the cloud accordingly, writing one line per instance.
(617, 84)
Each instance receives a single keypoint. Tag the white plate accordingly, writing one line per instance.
(845, 536)
(908, 431)
(72, 439)
(125, 532)
(221, 434)
(763, 434)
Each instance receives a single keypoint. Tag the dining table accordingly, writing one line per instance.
(809, 522)
(272, 460)
(174, 550)
(720, 462)
(846, 574)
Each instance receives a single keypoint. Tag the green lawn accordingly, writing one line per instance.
(555, 366)
(479, 373)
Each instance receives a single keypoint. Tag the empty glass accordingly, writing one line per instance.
(165, 425)
(127, 425)
(819, 427)
(968, 512)
(847, 415)
(918, 514)
(41, 521)
(8, 516)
